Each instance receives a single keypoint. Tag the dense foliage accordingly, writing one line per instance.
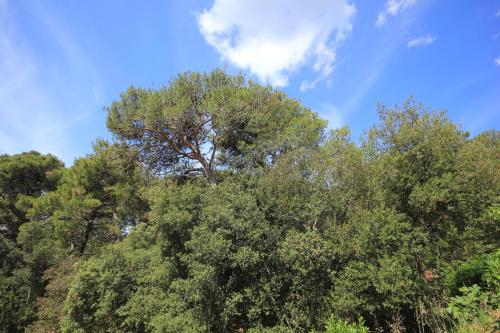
(225, 206)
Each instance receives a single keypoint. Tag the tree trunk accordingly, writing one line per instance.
(212, 179)
(86, 236)
(209, 172)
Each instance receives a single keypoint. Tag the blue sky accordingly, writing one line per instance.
(62, 62)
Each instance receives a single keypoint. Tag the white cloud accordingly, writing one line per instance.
(273, 38)
(307, 85)
(497, 13)
(422, 41)
(392, 8)
(497, 61)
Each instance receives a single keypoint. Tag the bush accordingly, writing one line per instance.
(475, 307)
(334, 325)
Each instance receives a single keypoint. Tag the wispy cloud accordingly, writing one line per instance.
(497, 61)
(392, 8)
(42, 99)
(367, 74)
(274, 38)
(497, 14)
(332, 114)
(422, 41)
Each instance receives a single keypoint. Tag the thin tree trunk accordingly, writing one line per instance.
(212, 179)
(209, 172)
(88, 230)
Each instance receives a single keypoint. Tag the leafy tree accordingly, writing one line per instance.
(226, 259)
(220, 242)
(96, 200)
(427, 169)
(431, 172)
(203, 122)
(17, 303)
(303, 232)
(475, 303)
(126, 288)
(309, 189)
(376, 276)
(307, 260)
(41, 250)
(24, 175)
(50, 306)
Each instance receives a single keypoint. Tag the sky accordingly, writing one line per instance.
(63, 61)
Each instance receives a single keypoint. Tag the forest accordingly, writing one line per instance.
(222, 205)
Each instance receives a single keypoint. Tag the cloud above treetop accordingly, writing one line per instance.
(274, 38)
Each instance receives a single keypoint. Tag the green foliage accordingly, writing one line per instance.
(274, 329)
(468, 306)
(482, 271)
(307, 260)
(227, 247)
(477, 301)
(23, 176)
(96, 200)
(287, 230)
(323, 231)
(377, 279)
(17, 302)
(441, 180)
(201, 122)
(126, 289)
(341, 326)
(50, 306)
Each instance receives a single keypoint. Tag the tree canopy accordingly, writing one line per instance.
(24, 175)
(201, 122)
(225, 206)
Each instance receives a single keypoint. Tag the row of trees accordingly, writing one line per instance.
(226, 206)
